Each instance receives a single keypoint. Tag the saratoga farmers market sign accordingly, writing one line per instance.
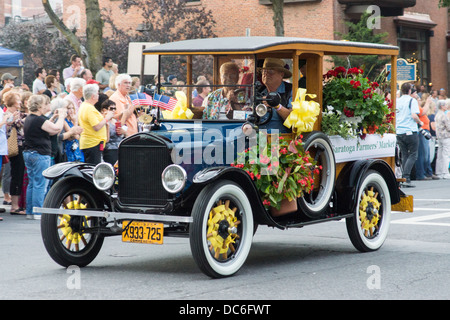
(373, 146)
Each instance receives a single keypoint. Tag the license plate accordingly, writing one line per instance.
(142, 232)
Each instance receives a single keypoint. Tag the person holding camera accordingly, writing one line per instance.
(407, 119)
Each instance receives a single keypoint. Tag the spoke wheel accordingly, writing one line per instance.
(67, 238)
(222, 231)
(369, 227)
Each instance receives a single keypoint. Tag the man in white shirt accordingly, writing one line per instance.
(407, 129)
(74, 70)
(38, 84)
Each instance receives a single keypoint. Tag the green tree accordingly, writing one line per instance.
(444, 3)
(93, 51)
(40, 47)
(359, 32)
(162, 21)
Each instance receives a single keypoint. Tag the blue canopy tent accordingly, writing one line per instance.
(11, 61)
(10, 58)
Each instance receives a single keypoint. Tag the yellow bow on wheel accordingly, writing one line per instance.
(181, 110)
(369, 221)
(221, 214)
(304, 113)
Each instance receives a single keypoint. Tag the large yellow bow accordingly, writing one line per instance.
(304, 113)
(181, 111)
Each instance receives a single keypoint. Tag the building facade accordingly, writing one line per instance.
(418, 27)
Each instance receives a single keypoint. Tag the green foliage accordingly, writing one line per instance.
(444, 3)
(172, 21)
(354, 104)
(359, 32)
(40, 47)
(280, 169)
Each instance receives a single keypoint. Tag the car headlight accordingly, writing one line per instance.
(173, 178)
(103, 176)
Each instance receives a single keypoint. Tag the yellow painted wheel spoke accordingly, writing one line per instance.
(70, 236)
(222, 227)
(369, 212)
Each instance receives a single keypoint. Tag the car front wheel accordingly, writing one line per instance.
(222, 231)
(67, 238)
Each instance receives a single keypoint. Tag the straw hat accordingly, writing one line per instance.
(277, 64)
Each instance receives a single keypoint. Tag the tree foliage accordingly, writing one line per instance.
(359, 32)
(40, 47)
(171, 20)
(92, 54)
(162, 21)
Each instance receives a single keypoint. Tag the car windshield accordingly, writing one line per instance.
(212, 88)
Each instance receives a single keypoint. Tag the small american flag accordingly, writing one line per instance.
(164, 102)
(141, 99)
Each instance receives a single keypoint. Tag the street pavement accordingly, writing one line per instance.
(312, 263)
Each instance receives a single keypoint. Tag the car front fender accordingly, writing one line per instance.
(59, 170)
(260, 214)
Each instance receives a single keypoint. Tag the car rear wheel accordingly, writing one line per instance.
(65, 237)
(222, 231)
(369, 226)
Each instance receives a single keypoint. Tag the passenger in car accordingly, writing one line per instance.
(220, 103)
(273, 73)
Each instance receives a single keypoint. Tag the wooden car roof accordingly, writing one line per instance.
(255, 45)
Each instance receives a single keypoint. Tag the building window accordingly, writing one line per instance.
(414, 47)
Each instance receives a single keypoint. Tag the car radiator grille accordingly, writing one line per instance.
(140, 169)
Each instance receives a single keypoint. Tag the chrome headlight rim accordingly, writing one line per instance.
(113, 174)
(183, 181)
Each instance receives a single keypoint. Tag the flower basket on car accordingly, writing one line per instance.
(354, 105)
(281, 169)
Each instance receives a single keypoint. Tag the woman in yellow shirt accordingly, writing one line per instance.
(93, 137)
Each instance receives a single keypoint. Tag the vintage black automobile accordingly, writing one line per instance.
(152, 194)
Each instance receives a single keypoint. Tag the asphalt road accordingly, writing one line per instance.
(315, 262)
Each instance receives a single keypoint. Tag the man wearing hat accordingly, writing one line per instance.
(273, 72)
(7, 82)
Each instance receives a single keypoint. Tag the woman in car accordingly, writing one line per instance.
(220, 103)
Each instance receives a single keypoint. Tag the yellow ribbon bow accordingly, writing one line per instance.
(181, 111)
(304, 113)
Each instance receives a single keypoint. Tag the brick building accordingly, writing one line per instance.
(418, 27)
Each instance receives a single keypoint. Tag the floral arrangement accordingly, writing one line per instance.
(286, 173)
(244, 69)
(354, 105)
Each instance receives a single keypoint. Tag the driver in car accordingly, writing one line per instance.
(273, 73)
(221, 103)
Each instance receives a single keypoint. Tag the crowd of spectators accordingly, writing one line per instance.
(78, 117)
(423, 133)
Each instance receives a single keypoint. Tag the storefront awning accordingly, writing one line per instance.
(415, 20)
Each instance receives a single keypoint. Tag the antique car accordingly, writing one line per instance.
(179, 176)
